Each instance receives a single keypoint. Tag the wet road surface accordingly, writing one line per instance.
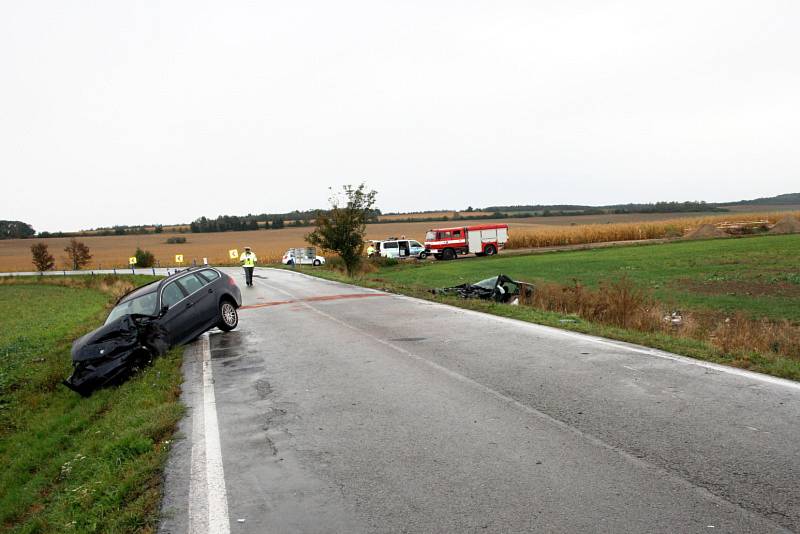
(340, 409)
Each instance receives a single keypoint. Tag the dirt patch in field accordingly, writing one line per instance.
(787, 225)
(706, 231)
(751, 288)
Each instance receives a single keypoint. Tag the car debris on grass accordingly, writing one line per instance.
(500, 288)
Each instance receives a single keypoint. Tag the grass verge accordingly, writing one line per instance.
(75, 464)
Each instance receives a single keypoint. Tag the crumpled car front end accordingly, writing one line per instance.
(111, 353)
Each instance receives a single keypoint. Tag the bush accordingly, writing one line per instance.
(380, 261)
(144, 258)
(176, 239)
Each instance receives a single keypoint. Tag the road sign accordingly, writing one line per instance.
(233, 254)
(132, 260)
(178, 258)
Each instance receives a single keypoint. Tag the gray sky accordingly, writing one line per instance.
(123, 112)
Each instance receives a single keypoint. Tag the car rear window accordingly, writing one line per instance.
(191, 283)
(209, 275)
(390, 244)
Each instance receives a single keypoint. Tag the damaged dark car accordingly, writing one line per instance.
(150, 320)
(498, 288)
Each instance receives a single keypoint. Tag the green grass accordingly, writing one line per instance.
(714, 275)
(69, 463)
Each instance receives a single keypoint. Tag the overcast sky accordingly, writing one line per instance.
(124, 112)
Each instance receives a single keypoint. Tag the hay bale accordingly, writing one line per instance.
(787, 225)
(706, 231)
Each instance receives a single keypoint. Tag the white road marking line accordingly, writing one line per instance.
(510, 401)
(207, 463)
(198, 498)
(593, 339)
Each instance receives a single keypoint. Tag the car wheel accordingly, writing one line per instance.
(449, 254)
(423, 255)
(228, 316)
(490, 250)
(317, 263)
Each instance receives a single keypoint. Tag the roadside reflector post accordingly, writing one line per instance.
(205, 261)
(154, 271)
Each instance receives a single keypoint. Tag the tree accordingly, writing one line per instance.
(78, 254)
(42, 258)
(15, 230)
(145, 258)
(277, 223)
(342, 229)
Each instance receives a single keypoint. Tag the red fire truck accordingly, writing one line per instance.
(481, 240)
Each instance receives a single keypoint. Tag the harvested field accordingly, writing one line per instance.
(269, 245)
(114, 251)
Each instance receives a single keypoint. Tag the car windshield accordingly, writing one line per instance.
(489, 283)
(143, 304)
(430, 236)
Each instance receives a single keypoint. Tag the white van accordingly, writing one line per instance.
(400, 248)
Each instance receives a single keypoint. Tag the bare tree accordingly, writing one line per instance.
(342, 229)
(78, 254)
(42, 259)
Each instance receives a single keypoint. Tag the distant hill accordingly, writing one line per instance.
(788, 198)
(656, 207)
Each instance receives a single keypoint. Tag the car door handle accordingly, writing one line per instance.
(210, 290)
(189, 304)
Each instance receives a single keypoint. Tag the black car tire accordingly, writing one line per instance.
(490, 250)
(317, 263)
(423, 255)
(228, 316)
(449, 254)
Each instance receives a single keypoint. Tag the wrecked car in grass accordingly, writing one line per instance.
(151, 319)
(498, 288)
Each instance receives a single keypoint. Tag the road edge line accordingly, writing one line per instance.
(217, 497)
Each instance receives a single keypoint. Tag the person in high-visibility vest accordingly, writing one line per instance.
(370, 251)
(248, 260)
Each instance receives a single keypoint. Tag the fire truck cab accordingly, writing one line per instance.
(481, 240)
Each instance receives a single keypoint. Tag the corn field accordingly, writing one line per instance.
(602, 233)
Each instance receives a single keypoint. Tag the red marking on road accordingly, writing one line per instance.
(314, 299)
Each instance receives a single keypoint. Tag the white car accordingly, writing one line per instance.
(302, 256)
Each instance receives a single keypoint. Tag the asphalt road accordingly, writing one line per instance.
(339, 409)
